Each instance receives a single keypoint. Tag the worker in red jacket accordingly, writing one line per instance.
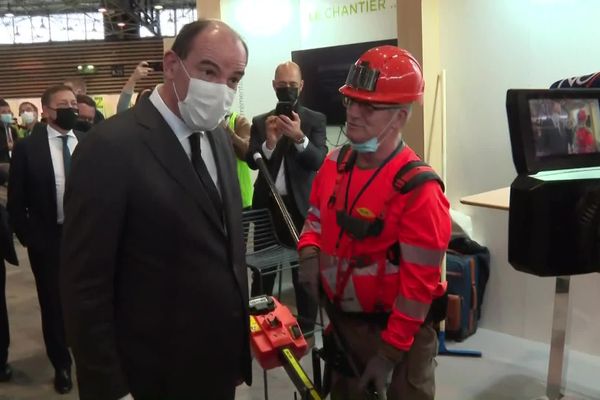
(376, 233)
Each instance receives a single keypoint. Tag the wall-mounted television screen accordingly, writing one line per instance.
(324, 71)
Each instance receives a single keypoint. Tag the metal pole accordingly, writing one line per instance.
(557, 366)
(284, 212)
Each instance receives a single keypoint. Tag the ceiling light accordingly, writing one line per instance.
(170, 20)
(158, 7)
(102, 10)
(121, 24)
(42, 25)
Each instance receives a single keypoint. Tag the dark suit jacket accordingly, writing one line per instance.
(154, 288)
(555, 140)
(300, 167)
(32, 189)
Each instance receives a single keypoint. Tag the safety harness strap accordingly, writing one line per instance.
(414, 174)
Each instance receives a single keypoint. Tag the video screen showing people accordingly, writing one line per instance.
(565, 126)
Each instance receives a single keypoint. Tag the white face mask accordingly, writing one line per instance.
(27, 117)
(206, 103)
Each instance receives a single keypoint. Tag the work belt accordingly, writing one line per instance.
(437, 313)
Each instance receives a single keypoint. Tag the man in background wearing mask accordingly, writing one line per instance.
(87, 113)
(153, 272)
(28, 112)
(374, 237)
(293, 148)
(80, 88)
(39, 170)
(7, 130)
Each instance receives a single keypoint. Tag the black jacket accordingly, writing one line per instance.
(300, 167)
(32, 189)
(154, 288)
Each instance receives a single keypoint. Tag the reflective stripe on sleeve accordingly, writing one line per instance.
(311, 227)
(421, 256)
(314, 211)
(412, 308)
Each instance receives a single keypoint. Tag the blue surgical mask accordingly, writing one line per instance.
(370, 146)
(6, 118)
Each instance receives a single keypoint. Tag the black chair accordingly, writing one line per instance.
(265, 254)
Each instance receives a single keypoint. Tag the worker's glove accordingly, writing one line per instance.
(378, 369)
(308, 275)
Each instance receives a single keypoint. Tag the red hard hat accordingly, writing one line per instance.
(385, 74)
(582, 115)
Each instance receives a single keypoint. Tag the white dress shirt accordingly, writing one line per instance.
(280, 180)
(56, 153)
(183, 132)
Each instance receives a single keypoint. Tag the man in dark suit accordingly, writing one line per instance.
(294, 149)
(8, 131)
(153, 278)
(38, 171)
(556, 136)
(7, 253)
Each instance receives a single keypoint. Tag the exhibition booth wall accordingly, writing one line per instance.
(488, 47)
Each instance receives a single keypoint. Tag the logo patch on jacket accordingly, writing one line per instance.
(365, 213)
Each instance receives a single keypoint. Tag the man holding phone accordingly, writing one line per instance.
(292, 140)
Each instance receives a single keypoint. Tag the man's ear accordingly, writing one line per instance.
(171, 65)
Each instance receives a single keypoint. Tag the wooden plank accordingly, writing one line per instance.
(498, 199)
(34, 67)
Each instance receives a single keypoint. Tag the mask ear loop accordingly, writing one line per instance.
(386, 127)
(189, 79)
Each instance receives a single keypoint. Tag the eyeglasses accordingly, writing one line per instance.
(347, 102)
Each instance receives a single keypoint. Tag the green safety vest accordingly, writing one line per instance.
(243, 172)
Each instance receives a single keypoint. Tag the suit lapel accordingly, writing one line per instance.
(165, 146)
(42, 163)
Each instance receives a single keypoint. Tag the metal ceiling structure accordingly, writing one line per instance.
(122, 18)
(44, 7)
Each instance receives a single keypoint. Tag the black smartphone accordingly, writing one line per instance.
(284, 108)
(157, 66)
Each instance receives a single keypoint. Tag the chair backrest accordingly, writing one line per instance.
(259, 231)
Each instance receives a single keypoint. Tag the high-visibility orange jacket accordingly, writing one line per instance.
(357, 275)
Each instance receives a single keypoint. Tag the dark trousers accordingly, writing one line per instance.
(45, 264)
(412, 379)
(307, 308)
(4, 333)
